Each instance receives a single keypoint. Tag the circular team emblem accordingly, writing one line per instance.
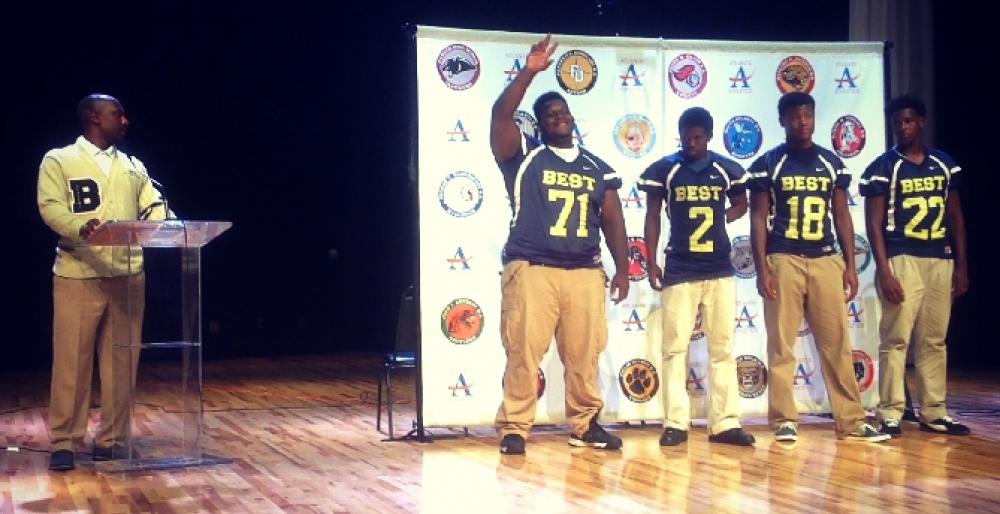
(795, 74)
(743, 137)
(634, 135)
(741, 257)
(688, 75)
(864, 369)
(460, 194)
(848, 136)
(576, 72)
(526, 122)
(458, 66)
(639, 380)
(462, 321)
(541, 383)
(751, 375)
(698, 333)
(862, 253)
(638, 269)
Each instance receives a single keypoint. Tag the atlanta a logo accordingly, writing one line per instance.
(634, 322)
(696, 380)
(804, 371)
(461, 385)
(746, 317)
(855, 314)
(739, 82)
(459, 260)
(458, 133)
(512, 72)
(636, 199)
(631, 78)
(847, 81)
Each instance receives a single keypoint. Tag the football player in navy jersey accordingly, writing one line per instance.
(798, 195)
(553, 281)
(917, 232)
(695, 183)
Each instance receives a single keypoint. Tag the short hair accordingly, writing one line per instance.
(542, 100)
(794, 99)
(906, 102)
(88, 106)
(695, 117)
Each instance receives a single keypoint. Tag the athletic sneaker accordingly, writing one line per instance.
(891, 427)
(512, 444)
(596, 437)
(946, 425)
(786, 432)
(866, 432)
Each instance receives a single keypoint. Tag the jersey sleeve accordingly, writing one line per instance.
(737, 178)
(759, 175)
(875, 180)
(842, 175)
(954, 170)
(612, 180)
(654, 178)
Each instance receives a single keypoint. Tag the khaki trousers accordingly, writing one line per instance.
(810, 287)
(717, 299)
(923, 319)
(540, 302)
(102, 315)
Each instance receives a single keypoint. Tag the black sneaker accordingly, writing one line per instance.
(891, 427)
(786, 432)
(946, 425)
(61, 460)
(736, 436)
(910, 415)
(512, 444)
(673, 437)
(867, 433)
(596, 437)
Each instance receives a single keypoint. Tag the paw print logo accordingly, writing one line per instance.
(639, 380)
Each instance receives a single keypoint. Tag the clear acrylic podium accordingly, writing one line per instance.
(172, 436)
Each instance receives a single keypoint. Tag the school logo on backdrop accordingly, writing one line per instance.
(462, 321)
(527, 123)
(847, 81)
(515, 67)
(638, 259)
(739, 82)
(461, 385)
(458, 66)
(848, 136)
(687, 75)
(864, 369)
(804, 371)
(634, 135)
(696, 380)
(742, 137)
(639, 380)
(460, 194)
(540, 383)
(576, 72)
(636, 199)
(459, 261)
(855, 314)
(458, 133)
(741, 257)
(634, 322)
(746, 317)
(751, 375)
(862, 253)
(795, 74)
(631, 78)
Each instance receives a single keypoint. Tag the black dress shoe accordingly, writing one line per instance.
(736, 436)
(673, 436)
(61, 460)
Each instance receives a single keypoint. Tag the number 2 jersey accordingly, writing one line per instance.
(916, 196)
(695, 202)
(556, 196)
(801, 184)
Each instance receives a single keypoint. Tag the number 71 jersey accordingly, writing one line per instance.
(916, 199)
(801, 185)
(556, 196)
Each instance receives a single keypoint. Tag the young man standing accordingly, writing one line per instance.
(697, 274)
(917, 232)
(553, 282)
(798, 196)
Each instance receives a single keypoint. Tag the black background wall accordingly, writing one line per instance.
(291, 119)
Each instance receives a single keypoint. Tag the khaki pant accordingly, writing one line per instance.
(539, 302)
(923, 317)
(810, 287)
(717, 299)
(88, 315)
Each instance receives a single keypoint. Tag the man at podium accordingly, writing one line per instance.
(98, 292)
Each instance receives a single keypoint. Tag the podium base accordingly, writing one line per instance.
(137, 465)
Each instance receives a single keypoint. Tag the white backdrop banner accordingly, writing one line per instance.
(627, 95)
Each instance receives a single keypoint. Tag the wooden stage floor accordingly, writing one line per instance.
(301, 431)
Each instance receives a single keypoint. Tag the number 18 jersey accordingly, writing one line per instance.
(801, 184)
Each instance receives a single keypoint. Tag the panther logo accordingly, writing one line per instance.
(639, 380)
